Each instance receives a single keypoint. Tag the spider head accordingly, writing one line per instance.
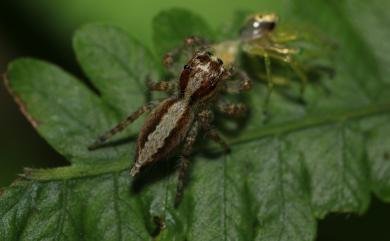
(201, 77)
(258, 25)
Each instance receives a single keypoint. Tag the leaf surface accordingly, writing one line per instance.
(279, 178)
(171, 27)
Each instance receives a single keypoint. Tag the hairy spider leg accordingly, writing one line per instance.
(122, 125)
(205, 119)
(189, 46)
(164, 86)
(240, 83)
(231, 109)
(184, 161)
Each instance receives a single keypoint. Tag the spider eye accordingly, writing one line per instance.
(187, 67)
(220, 61)
(209, 53)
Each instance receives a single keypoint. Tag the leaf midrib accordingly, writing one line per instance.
(310, 121)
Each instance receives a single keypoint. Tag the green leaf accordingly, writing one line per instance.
(63, 110)
(70, 116)
(171, 27)
(279, 178)
(121, 60)
(73, 209)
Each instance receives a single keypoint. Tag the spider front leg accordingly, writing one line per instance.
(184, 161)
(240, 82)
(121, 126)
(231, 109)
(191, 44)
(164, 86)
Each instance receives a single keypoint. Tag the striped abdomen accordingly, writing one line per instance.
(164, 129)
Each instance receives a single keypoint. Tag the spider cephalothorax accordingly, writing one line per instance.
(175, 122)
(201, 77)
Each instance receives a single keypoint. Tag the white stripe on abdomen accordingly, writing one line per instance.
(156, 139)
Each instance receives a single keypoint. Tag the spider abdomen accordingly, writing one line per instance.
(164, 129)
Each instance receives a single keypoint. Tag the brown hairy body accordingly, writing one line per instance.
(165, 128)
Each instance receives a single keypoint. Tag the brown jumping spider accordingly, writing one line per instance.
(176, 121)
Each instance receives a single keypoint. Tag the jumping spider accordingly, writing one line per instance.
(176, 121)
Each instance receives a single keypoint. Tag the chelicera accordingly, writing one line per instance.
(174, 123)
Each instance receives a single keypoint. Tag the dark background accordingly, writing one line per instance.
(43, 29)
